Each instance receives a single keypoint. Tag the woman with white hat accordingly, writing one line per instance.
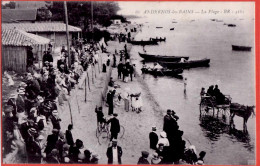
(163, 139)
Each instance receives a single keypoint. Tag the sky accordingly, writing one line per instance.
(177, 9)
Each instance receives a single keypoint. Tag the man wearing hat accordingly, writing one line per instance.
(34, 150)
(47, 57)
(170, 125)
(55, 120)
(20, 100)
(12, 102)
(114, 153)
(143, 159)
(33, 87)
(59, 144)
(153, 138)
(115, 126)
(51, 141)
(74, 150)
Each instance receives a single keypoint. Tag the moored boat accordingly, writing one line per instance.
(159, 39)
(159, 27)
(241, 48)
(171, 29)
(231, 25)
(188, 64)
(143, 42)
(155, 58)
(162, 72)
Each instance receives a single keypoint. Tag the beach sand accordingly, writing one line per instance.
(137, 126)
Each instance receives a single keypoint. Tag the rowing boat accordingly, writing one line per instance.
(154, 58)
(187, 64)
(241, 48)
(143, 42)
(163, 72)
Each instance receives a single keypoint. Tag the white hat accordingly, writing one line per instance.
(40, 137)
(192, 147)
(55, 112)
(163, 134)
(40, 98)
(21, 91)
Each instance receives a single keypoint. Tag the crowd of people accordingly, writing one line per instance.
(215, 93)
(170, 147)
(34, 108)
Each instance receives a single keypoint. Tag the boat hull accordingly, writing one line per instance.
(164, 72)
(155, 58)
(241, 48)
(143, 42)
(188, 64)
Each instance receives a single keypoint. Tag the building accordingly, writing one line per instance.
(15, 44)
(19, 15)
(55, 31)
(32, 4)
(117, 21)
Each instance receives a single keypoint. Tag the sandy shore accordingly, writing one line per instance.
(137, 126)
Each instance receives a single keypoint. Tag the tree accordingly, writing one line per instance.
(10, 5)
(43, 14)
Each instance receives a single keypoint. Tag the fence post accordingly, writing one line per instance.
(85, 90)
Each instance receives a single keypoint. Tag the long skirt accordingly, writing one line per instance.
(126, 104)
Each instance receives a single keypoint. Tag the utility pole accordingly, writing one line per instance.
(92, 33)
(67, 33)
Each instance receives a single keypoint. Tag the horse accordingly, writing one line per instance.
(242, 111)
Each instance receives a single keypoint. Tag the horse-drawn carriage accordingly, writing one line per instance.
(209, 104)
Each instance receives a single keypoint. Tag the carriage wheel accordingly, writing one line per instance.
(205, 107)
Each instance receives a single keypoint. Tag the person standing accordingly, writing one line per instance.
(51, 141)
(115, 126)
(143, 159)
(69, 137)
(185, 85)
(153, 138)
(119, 69)
(114, 153)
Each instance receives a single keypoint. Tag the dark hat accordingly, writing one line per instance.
(145, 154)
(55, 131)
(79, 144)
(115, 114)
(173, 112)
(168, 110)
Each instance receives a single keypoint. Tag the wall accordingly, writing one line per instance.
(14, 58)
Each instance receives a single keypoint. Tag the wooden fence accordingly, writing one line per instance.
(14, 58)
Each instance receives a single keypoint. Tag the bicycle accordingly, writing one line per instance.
(103, 133)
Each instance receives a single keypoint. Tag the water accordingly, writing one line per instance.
(232, 71)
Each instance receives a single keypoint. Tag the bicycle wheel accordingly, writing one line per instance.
(104, 136)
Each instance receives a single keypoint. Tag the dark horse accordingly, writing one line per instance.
(242, 111)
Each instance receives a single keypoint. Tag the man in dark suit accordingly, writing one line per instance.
(51, 141)
(55, 120)
(114, 153)
(153, 138)
(115, 126)
(69, 136)
(143, 159)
